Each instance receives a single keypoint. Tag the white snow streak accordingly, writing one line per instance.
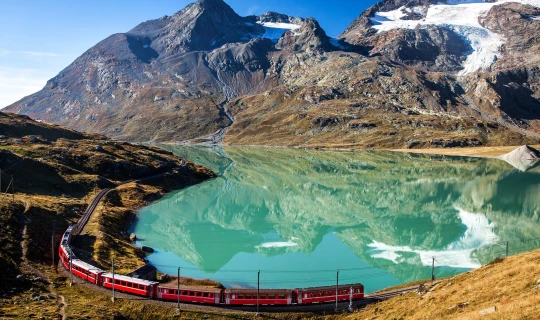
(274, 30)
(458, 254)
(335, 43)
(461, 17)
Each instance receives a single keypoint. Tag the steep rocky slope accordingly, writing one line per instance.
(401, 76)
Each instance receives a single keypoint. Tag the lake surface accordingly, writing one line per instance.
(378, 217)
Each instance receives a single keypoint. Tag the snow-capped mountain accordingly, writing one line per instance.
(465, 18)
(405, 73)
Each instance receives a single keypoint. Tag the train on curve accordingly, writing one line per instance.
(212, 296)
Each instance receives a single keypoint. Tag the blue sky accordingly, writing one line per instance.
(39, 38)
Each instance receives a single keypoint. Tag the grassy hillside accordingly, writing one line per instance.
(55, 172)
(510, 288)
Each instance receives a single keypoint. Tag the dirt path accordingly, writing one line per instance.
(25, 264)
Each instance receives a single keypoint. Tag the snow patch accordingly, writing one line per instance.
(281, 244)
(535, 18)
(457, 254)
(462, 17)
(145, 46)
(335, 43)
(274, 30)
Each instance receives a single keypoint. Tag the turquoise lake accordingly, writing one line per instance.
(378, 217)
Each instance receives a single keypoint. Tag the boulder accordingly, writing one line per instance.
(147, 249)
(488, 311)
(132, 237)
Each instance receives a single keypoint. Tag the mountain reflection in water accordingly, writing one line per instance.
(379, 217)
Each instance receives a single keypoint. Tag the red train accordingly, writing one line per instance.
(202, 295)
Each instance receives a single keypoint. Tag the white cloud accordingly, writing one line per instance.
(4, 52)
(17, 83)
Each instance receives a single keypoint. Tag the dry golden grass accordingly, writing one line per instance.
(507, 285)
(470, 152)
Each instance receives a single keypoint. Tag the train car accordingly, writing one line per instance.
(130, 285)
(64, 252)
(86, 271)
(328, 294)
(190, 294)
(266, 296)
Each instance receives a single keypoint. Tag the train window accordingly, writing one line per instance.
(191, 293)
(199, 294)
(240, 296)
(184, 293)
(282, 296)
(210, 295)
(205, 294)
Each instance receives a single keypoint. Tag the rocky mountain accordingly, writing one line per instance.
(409, 74)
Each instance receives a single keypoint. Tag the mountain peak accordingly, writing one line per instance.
(309, 37)
(214, 4)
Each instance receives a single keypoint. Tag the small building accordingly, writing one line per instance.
(146, 272)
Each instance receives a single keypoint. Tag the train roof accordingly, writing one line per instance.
(261, 291)
(129, 279)
(340, 287)
(87, 266)
(189, 288)
(68, 251)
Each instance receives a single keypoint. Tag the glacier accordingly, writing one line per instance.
(462, 17)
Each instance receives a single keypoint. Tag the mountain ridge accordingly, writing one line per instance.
(208, 74)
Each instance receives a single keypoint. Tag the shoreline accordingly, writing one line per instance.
(479, 152)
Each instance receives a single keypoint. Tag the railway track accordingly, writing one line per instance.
(326, 308)
(90, 209)
(97, 199)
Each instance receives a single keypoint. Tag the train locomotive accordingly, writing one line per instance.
(191, 294)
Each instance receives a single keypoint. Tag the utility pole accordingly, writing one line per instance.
(351, 309)
(70, 266)
(52, 242)
(13, 187)
(337, 284)
(112, 280)
(178, 307)
(433, 270)
(258, 290)
(507, 249)
(52, 249)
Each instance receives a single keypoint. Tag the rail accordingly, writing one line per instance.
(90, 210)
